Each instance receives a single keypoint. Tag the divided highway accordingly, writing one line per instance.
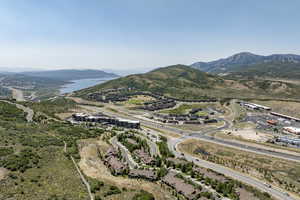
(172, 143)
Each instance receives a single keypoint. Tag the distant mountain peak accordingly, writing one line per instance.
(243, 59)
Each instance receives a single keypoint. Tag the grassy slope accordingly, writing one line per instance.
(283, 70)
(49, 173)
(185, 82)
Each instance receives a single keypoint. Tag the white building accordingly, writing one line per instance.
(291, 129)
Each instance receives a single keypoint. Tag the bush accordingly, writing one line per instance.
(143, 195)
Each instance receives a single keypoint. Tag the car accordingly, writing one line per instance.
(268, 185)
(286, 194)
(197, 159)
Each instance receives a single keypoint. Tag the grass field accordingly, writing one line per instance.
(283, 173)
(185, 108)
(139, 100)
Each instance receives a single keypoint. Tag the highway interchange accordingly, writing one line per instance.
(173, 142)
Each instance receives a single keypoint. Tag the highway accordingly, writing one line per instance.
(205, 137)
(173, 142)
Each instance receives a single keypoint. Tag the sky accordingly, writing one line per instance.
(139, 35)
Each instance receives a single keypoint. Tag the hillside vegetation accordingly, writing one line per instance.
(284, 70)
(188, 83)
(246, 60)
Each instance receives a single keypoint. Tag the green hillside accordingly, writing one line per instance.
(285, 70)
(185, 82)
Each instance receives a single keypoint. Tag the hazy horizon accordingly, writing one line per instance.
(137, 36)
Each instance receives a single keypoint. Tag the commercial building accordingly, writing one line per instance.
(100, 118)
(291, 129)
(285, 116)
(254, 106)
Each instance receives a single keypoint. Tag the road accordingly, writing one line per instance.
(218, 168)
(125, 153)
(204, 136)
(278, 194)
(153, 148)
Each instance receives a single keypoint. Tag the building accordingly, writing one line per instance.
(113, 163)
(285, 116)
(143, 173)
(128, 123)
(291, 129)
(272, 122)
(254, 106)
(181, 186)
(100, 118)
(144, 156)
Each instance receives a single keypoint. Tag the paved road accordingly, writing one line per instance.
(219, 168)
(204, 136)
(172, 143)
(153, 147)
(125, 153)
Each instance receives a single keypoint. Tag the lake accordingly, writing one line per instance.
(81, 84)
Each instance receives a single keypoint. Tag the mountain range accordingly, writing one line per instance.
(245, 61)
(70, 74)
(185, 82)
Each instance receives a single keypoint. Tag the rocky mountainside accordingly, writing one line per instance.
(245, 59)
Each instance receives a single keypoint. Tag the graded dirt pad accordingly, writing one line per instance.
(250, 134)
(92, 166)
(3, 173)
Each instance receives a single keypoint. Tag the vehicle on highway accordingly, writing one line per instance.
(197, 159)
(268, 185)
(287, 194)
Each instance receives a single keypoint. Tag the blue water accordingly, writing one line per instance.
(81, 84)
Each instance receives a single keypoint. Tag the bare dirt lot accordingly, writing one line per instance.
(248, 134)
(92, 166)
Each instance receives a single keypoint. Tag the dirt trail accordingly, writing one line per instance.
(92, 166)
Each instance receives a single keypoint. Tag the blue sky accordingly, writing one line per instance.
(138, 35)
